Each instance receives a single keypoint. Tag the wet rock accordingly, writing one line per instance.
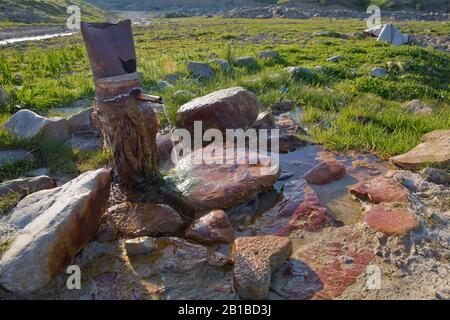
(287, 125)
(201, 70)
(213, 228)
(324, 268)
(164, 146)
(436, 175)
(26, 124)
(245, 62)
(335, 58)
(379, 190)
(378, 72)
(163, 85)
(265, 120)
(394, 222)
(4, 99)
(309, 215)
(231, 180)
(54, 226)
(434, 149)
(142, 245)
(287, 143)
(8, 157)
(325, 173)
(255, 259)
(225, 109)
(269, 54)
(26, 186)
(418, 107)
(144, 219)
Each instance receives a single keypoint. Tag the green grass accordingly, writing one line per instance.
(363, 113)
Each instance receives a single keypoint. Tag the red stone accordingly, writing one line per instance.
(310, 215)
(396, 222)
(324, 268)
(215, 227)
(380, 189)
(325, 172)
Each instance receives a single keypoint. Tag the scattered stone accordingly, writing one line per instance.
(26, 124)
(310, 215)
(172, 78)
(225, 109)
(26, 186)
(54, 226)
(39, 172)
(418, 107)
(394, 222)
(378, 72)
(228, 179)
(437, 176)
(269, 54)
(299, 71)
(320, 69)
(145, 219)
(8, 157)
(255, 259)
(245, 62)
(82, 121)
(325, 173)
(85, 141)
(265, 120)
(434, 150)
(335, 59)
(282, 107)
(213, 228)
(4, 99)
(223, 64)
(183, 94)
(359, 35)
(287, 143)
(379, 190)
(201, 70)
(163, 85)
(142, 245)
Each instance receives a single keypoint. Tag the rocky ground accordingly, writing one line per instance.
(322, 225)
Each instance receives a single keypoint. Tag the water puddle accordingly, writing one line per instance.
(34, 38)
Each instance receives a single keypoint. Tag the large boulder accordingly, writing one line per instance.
(26, 124)
(434, 149)
(202, 187)
(418, 107)
(255, 259)
(54, 226)
(26, 186)
(145, 219)
(82, 121)
(225, 109)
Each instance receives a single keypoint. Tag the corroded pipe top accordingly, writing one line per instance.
(110, 48)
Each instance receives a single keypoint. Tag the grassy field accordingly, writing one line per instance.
(345, 108)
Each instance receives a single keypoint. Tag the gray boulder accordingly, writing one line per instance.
(378, 72)
(26, 186)
(245, 62)
(269, 54)
(201, 70)
(14, 156)
(26, 124)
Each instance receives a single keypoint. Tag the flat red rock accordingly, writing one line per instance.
(215, 227)
(325, 172)
(380, 189)
(395, 222)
